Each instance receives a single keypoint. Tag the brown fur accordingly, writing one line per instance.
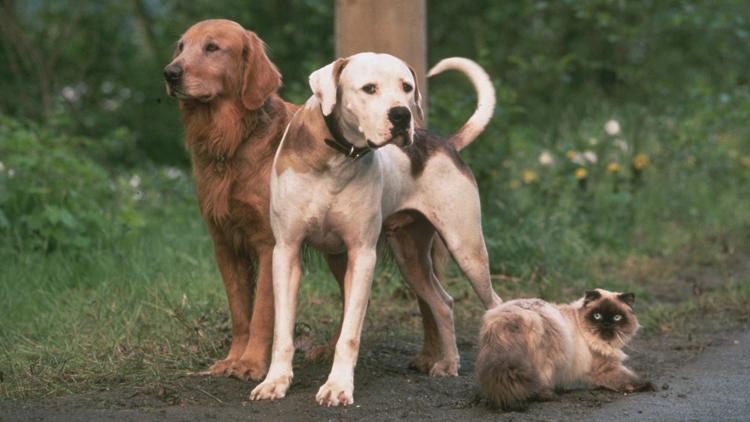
(303, 137)
(426, 145)
(529, 347)
(234, 121)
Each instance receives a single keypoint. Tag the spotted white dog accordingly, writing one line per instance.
(352, 163)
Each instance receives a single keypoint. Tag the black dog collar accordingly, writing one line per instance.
(340, 144)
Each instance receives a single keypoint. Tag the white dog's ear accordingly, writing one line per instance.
(417, 96)
(324, 84)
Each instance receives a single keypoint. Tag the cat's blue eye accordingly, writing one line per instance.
(617, 317)
(597, 316)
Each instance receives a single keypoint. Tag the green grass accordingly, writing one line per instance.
(145, 304)
(153, 307)
(121, 312)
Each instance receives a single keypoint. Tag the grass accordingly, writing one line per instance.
(129, 312)
(153, 308)
(146, 305)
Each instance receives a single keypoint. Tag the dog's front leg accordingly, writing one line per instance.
(238, 283)
(286, 278)
(339, 389)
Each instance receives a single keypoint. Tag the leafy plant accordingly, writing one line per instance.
(54, 195)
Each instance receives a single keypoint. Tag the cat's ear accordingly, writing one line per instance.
(627, 298)
(591, 295)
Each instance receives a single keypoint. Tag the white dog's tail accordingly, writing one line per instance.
(485, 98)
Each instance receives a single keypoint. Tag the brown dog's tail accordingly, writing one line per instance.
(485, 98)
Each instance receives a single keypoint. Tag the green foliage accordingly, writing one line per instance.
(52, 194)
(112, 272)
(55, 192)
(93, 65)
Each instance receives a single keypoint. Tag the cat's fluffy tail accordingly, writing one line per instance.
(504, 371)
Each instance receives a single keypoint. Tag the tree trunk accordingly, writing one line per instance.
(396, 27)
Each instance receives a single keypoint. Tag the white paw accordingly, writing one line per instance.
(271, 389)
(333, 394)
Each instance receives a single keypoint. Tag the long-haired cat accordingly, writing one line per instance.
(529, 347)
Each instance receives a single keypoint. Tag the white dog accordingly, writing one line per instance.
(351, 162)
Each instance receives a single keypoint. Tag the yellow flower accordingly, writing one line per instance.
(745, 160)
(515, 184)
(641, 161)
(723, 139)
(613, 167)
(529, 176)
(570, 154)
(691, 161)
(581, 173)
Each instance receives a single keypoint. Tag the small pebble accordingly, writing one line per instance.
(665, 386)
(682, 396)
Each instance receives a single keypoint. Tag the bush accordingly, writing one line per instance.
(619, 181)
(55, 195)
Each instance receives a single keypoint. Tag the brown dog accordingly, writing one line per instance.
(234, 121)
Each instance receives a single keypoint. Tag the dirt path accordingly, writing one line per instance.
(715, 386)
(698, 378)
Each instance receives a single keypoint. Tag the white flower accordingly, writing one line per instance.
(134, 181)
(11, 172)
(620, 143)
(70, 94)
(2, 166)
(172, 173)
(612, 127)
(593, 142)
(110, 104)
(590, 156)
(138, 195)
(546, 158)
(107, 87)
(579, 159)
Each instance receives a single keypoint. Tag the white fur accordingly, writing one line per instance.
(342, 208)
(485, 97)
(364, 116)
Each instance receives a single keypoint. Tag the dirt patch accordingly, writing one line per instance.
(385, 389)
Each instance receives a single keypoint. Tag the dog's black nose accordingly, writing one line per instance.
(172, 73)
(399, 116)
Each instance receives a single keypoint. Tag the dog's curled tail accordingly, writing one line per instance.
(506, 376)
(485, 98)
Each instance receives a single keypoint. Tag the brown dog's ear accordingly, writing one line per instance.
(417, 96)
(260, 76)
(324, 84)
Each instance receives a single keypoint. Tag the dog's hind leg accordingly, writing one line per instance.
(460, 225)
(412, 246)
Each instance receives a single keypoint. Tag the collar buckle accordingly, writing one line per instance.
(340, 144)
